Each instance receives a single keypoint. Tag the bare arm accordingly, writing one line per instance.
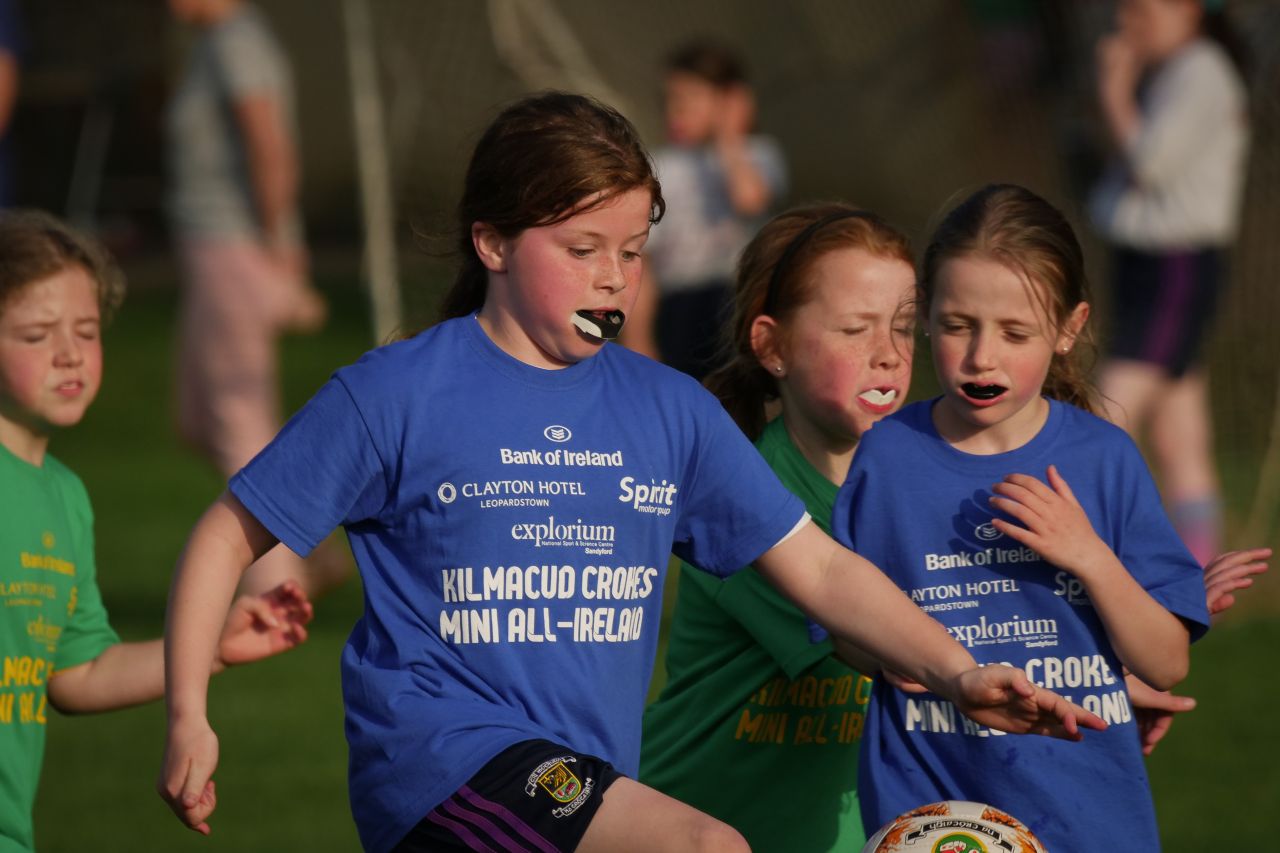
(748, 189)
(1150, 641)
(225, 541)
(123, 675)
(1118, 70)
(8, 89)
(273, 169)
(857, 603)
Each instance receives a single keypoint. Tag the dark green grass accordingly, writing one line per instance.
(282, 776)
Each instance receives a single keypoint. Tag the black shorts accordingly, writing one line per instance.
(1164, 305)
(533, 796)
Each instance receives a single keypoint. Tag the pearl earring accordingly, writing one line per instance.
(777, 368)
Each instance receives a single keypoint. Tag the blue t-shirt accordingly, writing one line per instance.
(918, 508)
(512, 526)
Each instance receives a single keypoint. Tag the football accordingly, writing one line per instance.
(954, 826)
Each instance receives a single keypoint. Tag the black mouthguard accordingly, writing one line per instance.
(605, 327)
(983, 392)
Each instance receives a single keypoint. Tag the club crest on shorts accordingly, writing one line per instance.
(561, 784)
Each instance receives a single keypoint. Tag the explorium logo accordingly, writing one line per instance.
(594, 538)
(558, 434)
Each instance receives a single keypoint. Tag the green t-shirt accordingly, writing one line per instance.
(757, 725)
(51, 618)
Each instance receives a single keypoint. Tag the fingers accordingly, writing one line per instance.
(1059, 484)
(260, 609)
(1154, 729)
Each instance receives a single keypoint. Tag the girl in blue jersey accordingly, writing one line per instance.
(1075, 583)
(511, 487)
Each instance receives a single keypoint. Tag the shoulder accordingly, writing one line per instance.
(69, 484)
(1204, 66)
(1083, 425)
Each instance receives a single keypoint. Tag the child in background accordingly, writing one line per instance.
(719, 180)
(823, 321)
(233, 207)
(512, 487)
(1176, 108)
(56, 289)
(1074, 583)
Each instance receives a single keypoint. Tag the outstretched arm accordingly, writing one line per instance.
(1150, 641)
(857, 603)
(132, 673)
(225, 541)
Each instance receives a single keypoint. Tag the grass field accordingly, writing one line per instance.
(281, 781)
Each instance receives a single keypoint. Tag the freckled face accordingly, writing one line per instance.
(992, 346)
(50, 354)
(847, 351)
(589, 262)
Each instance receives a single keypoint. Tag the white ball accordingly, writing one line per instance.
(954, 826)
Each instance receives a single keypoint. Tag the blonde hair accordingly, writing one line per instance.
(1014, 227)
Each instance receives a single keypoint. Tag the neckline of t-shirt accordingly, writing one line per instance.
(798, 459)
(995, 464)
(562, 379)
(20, 464)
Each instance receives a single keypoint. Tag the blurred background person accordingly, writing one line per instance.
(720, 180)
(233, 206)
(10, 49)
(1174, 103)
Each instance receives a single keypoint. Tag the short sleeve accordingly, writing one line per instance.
(1154, 554)
(736, 508)
(88, 632)
(322, 470)
(248, 58)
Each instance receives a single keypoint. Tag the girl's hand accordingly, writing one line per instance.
(1154, 710)
(1229, 572)
(1054, 524)
(186, 776)
(259, 626)
(1001, 697)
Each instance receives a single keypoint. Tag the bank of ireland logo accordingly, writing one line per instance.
(447, 493)
(558, 434)
(986, 533)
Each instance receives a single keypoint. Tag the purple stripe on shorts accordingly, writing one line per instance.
(1178, 278)
(497, 833)
(527, 832)
(466, 835)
